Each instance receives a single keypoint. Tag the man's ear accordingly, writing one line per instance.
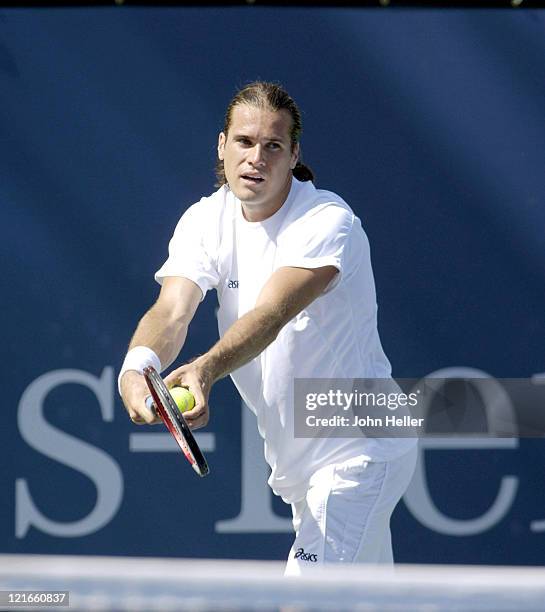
(221, 145)
(295, 156)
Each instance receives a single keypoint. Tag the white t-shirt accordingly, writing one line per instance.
(334, 337)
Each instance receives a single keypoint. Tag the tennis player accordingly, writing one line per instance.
(292, 270)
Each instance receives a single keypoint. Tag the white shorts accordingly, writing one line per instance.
(345, 516)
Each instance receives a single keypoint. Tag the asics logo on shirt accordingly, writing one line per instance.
(232, 284)
(301, 554)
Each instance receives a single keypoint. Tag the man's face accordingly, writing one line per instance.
(258, 159)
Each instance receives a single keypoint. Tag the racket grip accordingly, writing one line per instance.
(150, 405)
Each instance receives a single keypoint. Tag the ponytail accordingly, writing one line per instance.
(303, 173)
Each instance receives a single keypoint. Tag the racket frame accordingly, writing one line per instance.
(165, 406)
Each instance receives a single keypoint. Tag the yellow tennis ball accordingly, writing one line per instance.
(184, 399)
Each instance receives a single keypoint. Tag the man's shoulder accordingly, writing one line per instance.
(313, 203)
(207, 218)
(210, 205)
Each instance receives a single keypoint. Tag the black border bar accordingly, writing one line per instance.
(465, 4)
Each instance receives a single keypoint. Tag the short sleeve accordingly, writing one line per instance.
(190, 251)
(318, 239)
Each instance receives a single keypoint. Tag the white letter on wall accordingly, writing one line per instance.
(70, 451)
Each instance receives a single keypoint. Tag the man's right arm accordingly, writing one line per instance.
(163, 329)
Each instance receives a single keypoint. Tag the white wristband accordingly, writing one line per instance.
(137, 359)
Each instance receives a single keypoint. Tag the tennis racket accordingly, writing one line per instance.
(164, 405)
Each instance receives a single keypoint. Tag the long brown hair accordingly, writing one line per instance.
(271, 96)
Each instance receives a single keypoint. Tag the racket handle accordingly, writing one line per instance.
(150, 405)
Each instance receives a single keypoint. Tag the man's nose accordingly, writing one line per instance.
(256, 157)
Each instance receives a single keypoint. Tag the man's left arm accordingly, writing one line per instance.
(287, 292)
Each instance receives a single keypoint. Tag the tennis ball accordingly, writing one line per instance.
(184, 399)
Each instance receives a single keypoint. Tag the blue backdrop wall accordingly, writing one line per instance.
(429, 123)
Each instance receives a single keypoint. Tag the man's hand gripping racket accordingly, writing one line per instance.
(164, 405)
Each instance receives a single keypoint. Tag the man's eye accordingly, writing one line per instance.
(273, 145)
(244, 141)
